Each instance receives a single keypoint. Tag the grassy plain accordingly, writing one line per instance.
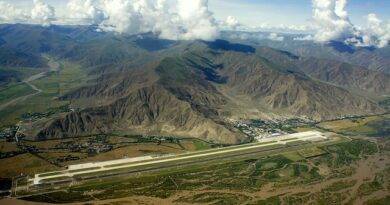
(13, 91)
(53, 85)
(24, 164)
(375, 126)
(69, 77)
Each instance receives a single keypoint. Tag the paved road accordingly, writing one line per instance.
(54, 66)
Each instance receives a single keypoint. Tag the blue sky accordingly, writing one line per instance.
(273, 12)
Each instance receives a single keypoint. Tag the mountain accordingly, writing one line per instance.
(376, 59)
(346, 75)
(192, 93)
(335, 72)
(145, 85)
(15, 58)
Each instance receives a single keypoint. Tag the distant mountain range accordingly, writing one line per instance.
(189, 88)
(377, 59)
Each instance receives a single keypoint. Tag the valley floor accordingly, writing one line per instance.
(348, 172)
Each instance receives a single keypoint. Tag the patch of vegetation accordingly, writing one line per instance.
(222, 176)
(53, 85)
(311, 152)
(299, 169)
(385, 103)
(326, 198)
(371, 187)
(11, 75)
(215, 198)
(38, 103)
(272, 163)
(60, 82)
(374, 126)
(298, 199)
(51, 111)
(200, 145)
(340, 185)
(269, 201)
(14, 91)
(293, 156)
(382, 201)
(381, 127)
(347, 152)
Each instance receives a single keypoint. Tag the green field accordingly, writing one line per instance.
(53, 85)
(60, 82)
(200, 145)
(13, 91)
(10, 75)
(373, 126)
(38, 103)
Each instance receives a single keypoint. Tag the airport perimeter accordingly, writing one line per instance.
(75, 174)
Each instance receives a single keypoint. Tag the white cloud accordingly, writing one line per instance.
(170, 19)
(331, 20)
(42, 13)
(11, 14)
(377, 32)
(197, 21)
(231, 23)
(275, 37)
(121, 17)
(85, 12)
(333, 23)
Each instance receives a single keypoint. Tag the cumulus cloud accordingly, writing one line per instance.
(231, 23)
(42, 13)
(197, 20)
(377, 32)
(11, 14)
(332, 22)
(85, 12)
(170, 19)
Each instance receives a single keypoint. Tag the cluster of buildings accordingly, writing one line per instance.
(9, 133)
(38, 115)
(260, 129)
(89, 146)
(158, 139)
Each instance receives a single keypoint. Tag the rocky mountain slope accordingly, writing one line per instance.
(376, 59)
(191, 95)
(336, 72)
(145, 85)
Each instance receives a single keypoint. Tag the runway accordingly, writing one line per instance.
(90, 168)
